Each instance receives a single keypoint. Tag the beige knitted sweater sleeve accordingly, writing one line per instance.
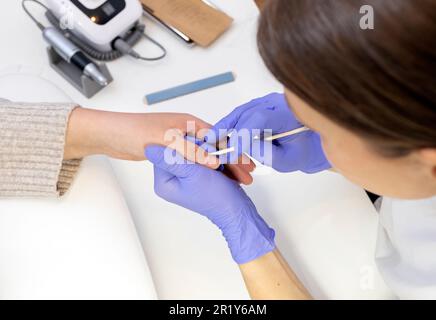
(32, 141)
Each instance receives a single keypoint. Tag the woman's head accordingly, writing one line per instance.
(371, 94)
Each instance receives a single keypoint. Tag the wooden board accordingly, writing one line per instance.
(197, 20)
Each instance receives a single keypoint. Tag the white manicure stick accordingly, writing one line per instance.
(271, 138)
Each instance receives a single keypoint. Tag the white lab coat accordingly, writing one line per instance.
(406, 247)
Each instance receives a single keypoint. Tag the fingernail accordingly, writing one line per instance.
(213, 162)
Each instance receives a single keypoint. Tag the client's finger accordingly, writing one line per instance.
(238, 174)
(192, 152)
(246, 163)
(241, 171)
(196, 127)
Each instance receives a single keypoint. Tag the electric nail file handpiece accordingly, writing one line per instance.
(72, 54)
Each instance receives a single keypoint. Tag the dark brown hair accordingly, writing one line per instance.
(378, 83)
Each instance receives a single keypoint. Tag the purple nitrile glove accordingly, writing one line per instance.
(218, 198)
(302, 151)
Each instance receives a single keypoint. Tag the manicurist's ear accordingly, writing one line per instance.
(428, 157)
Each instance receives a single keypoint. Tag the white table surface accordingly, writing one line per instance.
(326, 226)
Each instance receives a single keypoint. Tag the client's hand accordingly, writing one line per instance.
(125, 135)
(214, 196)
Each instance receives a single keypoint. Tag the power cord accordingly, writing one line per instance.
(122, 45)
(38, 24)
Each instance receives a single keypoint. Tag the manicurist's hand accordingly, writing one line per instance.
(222, 201)
(125, 135)
(216, 197)
(299, 152)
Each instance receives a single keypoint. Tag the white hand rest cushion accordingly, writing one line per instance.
(82, 246)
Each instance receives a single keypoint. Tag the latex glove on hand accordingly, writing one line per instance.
(302, 151)
(216, 197)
